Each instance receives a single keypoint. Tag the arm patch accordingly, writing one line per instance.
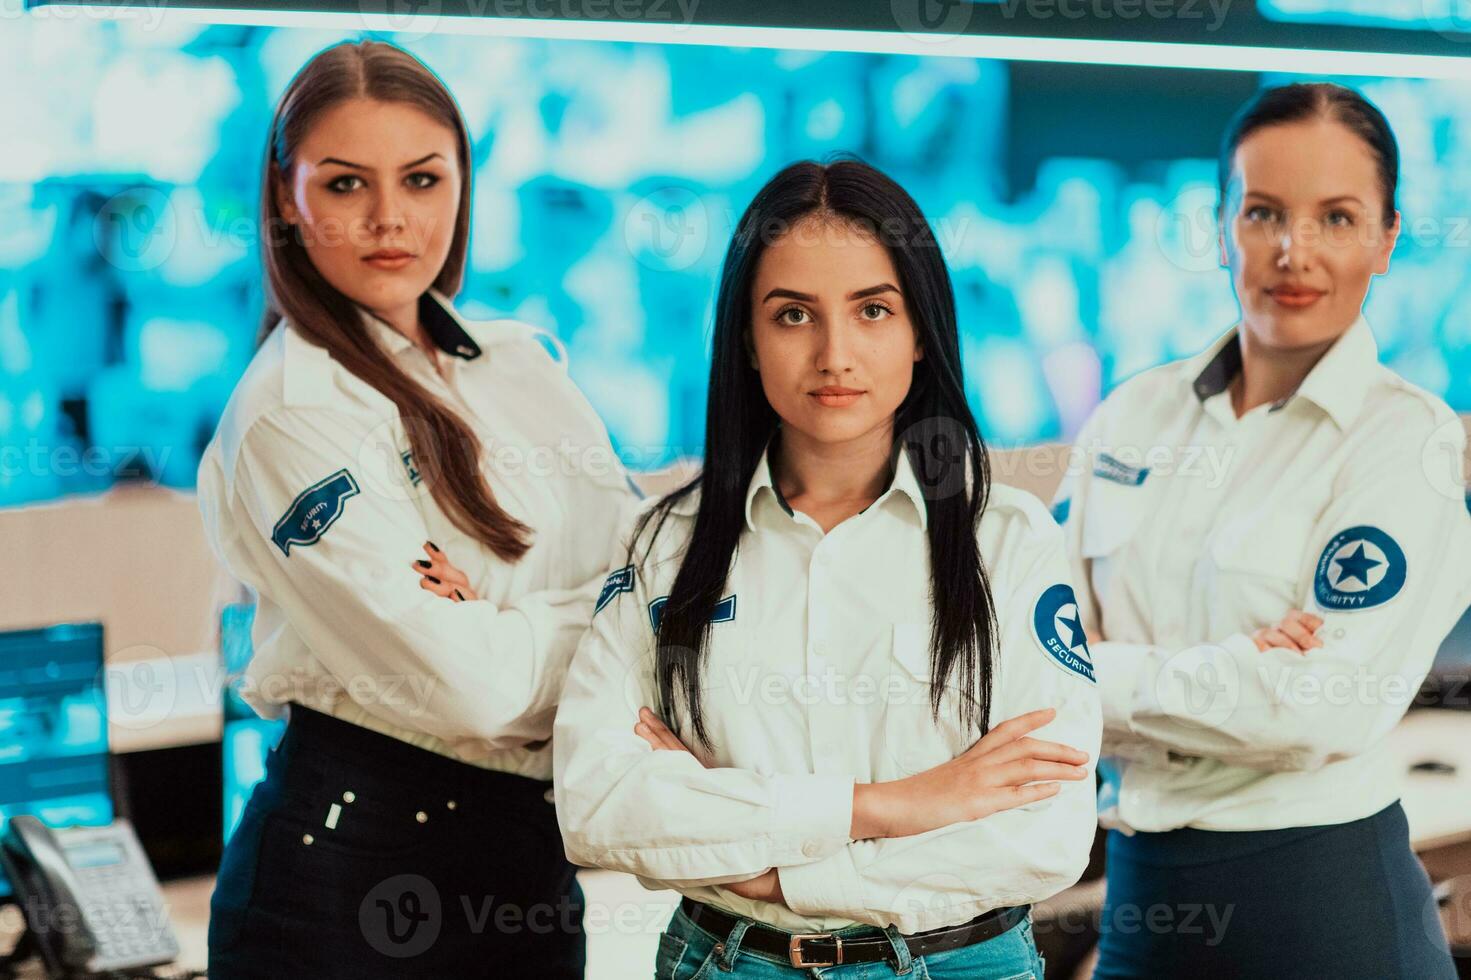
(313, 511)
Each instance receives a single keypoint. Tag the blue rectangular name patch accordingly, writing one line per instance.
(1111, 469)
(724, 612)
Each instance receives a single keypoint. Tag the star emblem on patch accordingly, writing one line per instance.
(1058, 627)
(1360, 568)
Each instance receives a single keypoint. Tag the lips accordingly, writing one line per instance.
(389, 258)
(1295, 297)
(835, 396)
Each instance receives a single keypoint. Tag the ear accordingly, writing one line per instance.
(1391, 236)
(918, 353)
(285, 202)
(751, 351)
(1221, 240)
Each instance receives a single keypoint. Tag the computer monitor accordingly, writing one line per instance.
(53, 728)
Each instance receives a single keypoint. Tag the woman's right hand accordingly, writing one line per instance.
(1004, 770)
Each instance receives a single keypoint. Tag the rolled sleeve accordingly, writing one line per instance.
(1011, 857)
(482, 673)
(662, 815)
(1281, 709)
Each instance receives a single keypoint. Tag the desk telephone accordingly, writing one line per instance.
(89, 897)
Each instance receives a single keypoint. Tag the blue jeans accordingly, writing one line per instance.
(687, 952)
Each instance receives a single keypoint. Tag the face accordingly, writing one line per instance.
(1303, 231)
(375, 190)
(830, 333)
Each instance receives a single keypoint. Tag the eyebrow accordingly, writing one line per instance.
(1327, 200)
(359, 166)
(882, 287)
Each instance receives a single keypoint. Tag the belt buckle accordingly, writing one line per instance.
(794, 949)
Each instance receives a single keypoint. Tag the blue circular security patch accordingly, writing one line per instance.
(1361, 567)
(1059, 629)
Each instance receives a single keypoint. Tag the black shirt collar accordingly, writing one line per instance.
(445, 330)
(1219, 373)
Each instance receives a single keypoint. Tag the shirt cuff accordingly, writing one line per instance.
(814, 812)
(830, 887)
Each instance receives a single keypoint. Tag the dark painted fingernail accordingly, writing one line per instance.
(432, 579)
(432, 545)
(424, 564)
(459, 595)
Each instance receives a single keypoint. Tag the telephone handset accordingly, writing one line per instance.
(88, 895)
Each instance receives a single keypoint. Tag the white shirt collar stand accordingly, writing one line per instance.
(903, 483)
(1336, 384)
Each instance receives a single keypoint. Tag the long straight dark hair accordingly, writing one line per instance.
(446, 450)
(933, 425)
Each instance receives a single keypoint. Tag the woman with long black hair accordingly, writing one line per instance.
(1263, 622)
(403, 826)
(836, 616)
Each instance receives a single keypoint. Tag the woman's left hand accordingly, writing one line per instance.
(437, 575)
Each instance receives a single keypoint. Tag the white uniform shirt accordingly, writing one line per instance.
(817, 675)
(311, 497)
(1190, 528)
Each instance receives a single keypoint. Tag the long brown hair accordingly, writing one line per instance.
(446, 450)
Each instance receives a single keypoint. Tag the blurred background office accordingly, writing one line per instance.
(1075, 205)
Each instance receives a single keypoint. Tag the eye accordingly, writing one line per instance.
(785, 317)
(1340, 217)
(1260, 212)
(345, 184)
(875, 311)
(421, 180)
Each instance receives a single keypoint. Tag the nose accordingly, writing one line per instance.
(387, 211)
(834, 348)
(1296, 247)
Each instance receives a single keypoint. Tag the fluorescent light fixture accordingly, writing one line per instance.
(1146, 54)
(1412, 15)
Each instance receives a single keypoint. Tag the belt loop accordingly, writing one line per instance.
(732, 945)
(903, 962)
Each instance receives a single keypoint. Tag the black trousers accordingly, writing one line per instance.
(361, 856)
(1348, 901)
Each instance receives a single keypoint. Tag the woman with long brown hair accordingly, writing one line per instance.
(403, 826)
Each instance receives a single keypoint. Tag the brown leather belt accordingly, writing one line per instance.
(809, 949)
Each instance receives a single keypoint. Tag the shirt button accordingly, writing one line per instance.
(810, 849)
